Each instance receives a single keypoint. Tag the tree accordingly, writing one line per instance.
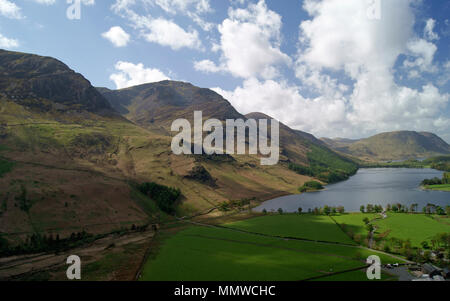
(326, 210)
(447, 210)
(424, 245)
(280, 211)
(341, 209)
(366, 221)
(300, 210)
(369, 208)
(264, 211)
(370, 227)
(362, 208)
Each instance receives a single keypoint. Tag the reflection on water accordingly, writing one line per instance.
(369, 186)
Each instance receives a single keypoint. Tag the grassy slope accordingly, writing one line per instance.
(103, 154)
(354, 222)
(219, 254)
(443, 187)
(416, 227)
(294, 225)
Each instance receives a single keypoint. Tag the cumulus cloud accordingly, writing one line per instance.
(7, 42)
(10, 10)
(117, 36)
(250, 41)
(168, 33)
(135, 74)
(429, 30)
(158, 30)
(194, 9)
(348, 61)
(46, 2)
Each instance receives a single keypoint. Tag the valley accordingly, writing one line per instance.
(91, 171)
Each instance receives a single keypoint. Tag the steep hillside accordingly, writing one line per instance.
(68, 161)
(157, 105)
(393, 146)
(47, 85)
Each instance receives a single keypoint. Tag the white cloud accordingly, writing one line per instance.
(10, 10)
(158, 30)
(8, 43)
(194, 9)
(46, 2)
(429, 30)
(424, 52)
(349, 60)
(135, 74)
(51, 2)
(117, 36)
(250, 43)
(168, 33)
(207, 66)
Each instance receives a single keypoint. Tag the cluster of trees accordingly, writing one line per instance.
(235, 204)
(165, 197)
(439, 163)
(326, 166)
(327, 210)
(5, 167)
(436, 181)
(436, 209)
(37, 243)
(371, 208)
(439, 246)
(311, 185)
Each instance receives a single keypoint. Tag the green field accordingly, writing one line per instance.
(415, 227)
(354, 222)
(218, 254)
(307, 226)
(443, 187)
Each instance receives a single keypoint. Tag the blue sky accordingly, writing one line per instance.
(330, 67)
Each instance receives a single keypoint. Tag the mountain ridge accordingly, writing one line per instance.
(387, 146)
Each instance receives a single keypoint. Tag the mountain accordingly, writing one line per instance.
(71, 155)
(156, 105)
(159, 104)
(47, 85)
(401, 145)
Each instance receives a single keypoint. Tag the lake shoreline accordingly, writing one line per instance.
(376, 186)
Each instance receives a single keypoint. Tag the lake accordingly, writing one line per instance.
(377, 186)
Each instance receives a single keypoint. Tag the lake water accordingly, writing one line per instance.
(379, 186)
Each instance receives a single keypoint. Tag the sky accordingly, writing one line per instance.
(333, 68)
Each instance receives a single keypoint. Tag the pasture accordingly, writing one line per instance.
(307, 226)
(217, 254)
(415, 227)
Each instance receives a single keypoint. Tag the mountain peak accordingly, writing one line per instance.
(46, 84)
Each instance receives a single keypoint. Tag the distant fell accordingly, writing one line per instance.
(400, 145)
